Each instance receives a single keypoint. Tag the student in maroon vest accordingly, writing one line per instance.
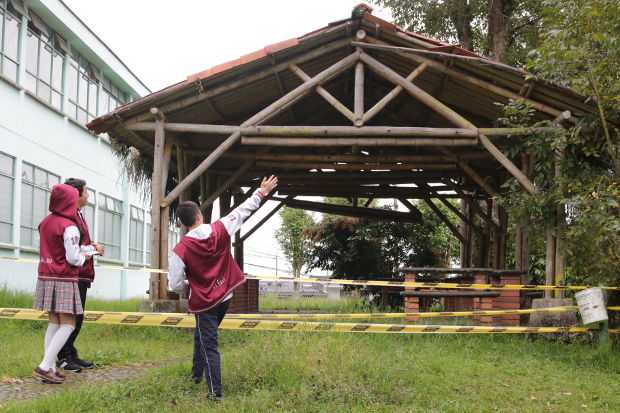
(68, 357)
(202, 260)
(60, 259)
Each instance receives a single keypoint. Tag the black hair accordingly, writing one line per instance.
(187, 212)
(77, 183)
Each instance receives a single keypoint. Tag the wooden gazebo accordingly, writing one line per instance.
(358, 109)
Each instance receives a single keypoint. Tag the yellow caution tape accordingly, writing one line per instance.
(187, 321)
(365, 316)
(369, 283)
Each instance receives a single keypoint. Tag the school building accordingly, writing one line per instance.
(55, 76)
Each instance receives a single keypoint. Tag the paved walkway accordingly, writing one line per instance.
(31, 388)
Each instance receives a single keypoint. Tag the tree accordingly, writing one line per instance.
(292, 239)
(505, 30)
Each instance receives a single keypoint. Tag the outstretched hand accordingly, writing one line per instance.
(268, 184)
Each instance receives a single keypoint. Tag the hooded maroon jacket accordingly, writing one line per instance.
(53, 264)
(211, 270)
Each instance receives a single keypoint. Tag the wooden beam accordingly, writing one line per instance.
(470, 172)
(354, 167)
(449, 114)
(359, 212)
(455, 231)
(271, 110)
(412, 208)
(378, 107)
(359, 192)
(329, 157)
(324, 93)
(340, 131)
(228, 183)
(260, 223)
(358, 97)
(462, 77)
(364, 142)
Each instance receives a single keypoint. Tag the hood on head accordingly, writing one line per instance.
(64, 201)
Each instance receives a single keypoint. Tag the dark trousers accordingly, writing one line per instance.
(206, 355)
(69, 351)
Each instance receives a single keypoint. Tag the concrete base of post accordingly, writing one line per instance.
(565, 319)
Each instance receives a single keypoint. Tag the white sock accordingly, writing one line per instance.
(58, 340)
(52, 328)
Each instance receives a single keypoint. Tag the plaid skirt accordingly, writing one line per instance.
(58, 297)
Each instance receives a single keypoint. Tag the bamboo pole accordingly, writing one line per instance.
(261, 116)
(449, 114)
(358, 97)
(364, 142)
(163, 252)
(378, 107)
(325, 94)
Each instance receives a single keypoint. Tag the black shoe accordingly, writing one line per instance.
(216, 397)
(69, 365)
(197, 379)
(83, 363)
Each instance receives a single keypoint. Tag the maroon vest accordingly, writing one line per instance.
(53, 264)
(210, 268)
(87, 271)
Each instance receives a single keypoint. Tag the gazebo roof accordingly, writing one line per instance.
(230, 93)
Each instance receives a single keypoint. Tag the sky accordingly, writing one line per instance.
(163, 42)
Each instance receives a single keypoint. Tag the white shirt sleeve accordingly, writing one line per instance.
(233, 221)
(176, 274)
(71, 238)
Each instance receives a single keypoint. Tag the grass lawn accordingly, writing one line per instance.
(310, 372)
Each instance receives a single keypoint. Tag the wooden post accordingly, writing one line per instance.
(211, 183)
(358, 99)
(449, 114)
(270, 111)
(163, 252)
(522, 253)
(224, 198)
(549, 260)
(156, 196)
(466, 226)
(181, 171)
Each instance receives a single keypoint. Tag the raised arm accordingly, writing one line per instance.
(233, 221)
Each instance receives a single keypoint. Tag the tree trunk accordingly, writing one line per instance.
(462, 20)
(500, 28)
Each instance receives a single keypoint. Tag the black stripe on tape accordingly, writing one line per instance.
(464, 329)
(171, 321)
(44, 316)
(92, 317)
(131, 319)
(497, 330)
(8, 313)
(324, 327)
(431, 328)
(396, 328)
(287, 325)
(249, 324)
(360, 327)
